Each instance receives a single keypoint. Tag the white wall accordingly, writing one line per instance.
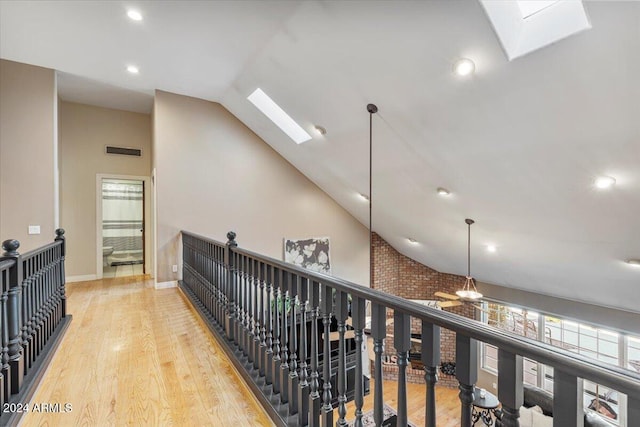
(213, 175)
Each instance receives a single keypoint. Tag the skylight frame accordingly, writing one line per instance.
(278, 116)
(520, 36)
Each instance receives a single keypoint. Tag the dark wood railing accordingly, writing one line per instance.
(249, 301)
(33, 319)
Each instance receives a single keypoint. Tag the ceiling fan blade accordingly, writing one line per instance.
(446, 296)
(448, 304)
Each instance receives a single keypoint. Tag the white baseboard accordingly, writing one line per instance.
(83, 278)
(164, 285)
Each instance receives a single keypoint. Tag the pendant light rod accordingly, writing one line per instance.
(469, 292)
(469, 222)
(372, 109)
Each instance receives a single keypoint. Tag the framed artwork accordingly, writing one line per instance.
(311, 253)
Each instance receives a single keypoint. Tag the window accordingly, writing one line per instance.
(633, 353)
(597, 343)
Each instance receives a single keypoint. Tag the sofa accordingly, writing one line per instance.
(537, 410)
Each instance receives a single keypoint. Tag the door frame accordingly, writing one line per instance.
(147, 237)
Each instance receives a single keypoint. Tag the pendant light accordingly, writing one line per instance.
(469, 291)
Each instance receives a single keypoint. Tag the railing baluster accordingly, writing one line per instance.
(510, 393)
(229, 258)
(326, 413)
(467, 375)
(567, 402)
(379, 332)
(262, 345)
(27, 329)
(268, 368)
(246, 308)
(431, 359)
(293, 345)
(240, 302)
(314, 394)
(402, 343)
(284, 339)
(4, 357)
(358, 315)
(250, 311)
(342, 313)
(256, 315)
(277, 295)
(303, 388)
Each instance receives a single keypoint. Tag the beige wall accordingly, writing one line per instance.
(84, 132)
(214, 175)
(27, 153)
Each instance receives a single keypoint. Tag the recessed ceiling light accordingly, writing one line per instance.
(491, 248)
(443, 191)
(133, 69)
(634, 262)
(604, 182)
(412, 241)
(364, 197)
(134, 15)
(320, 130)
(278, 116)
(464, 67)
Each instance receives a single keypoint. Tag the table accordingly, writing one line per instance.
(484, 408)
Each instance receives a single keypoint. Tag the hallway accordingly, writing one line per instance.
(138, 356)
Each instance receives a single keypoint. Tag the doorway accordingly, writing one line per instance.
(122, 227)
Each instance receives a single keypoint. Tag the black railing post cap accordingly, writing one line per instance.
(60, 232)
(11, 247)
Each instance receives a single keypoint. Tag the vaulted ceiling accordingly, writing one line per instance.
(518, 143)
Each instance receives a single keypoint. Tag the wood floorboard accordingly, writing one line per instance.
(137, 356)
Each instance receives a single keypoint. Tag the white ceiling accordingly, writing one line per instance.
(518, 144)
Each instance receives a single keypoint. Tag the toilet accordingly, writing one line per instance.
(106, 251)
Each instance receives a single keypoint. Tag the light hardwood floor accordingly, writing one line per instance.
(137, 356)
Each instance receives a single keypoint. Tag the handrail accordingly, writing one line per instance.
(6, 264)
(623, 380)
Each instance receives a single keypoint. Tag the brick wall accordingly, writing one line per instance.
(402, 276)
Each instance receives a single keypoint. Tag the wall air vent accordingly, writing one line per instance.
(125, 151)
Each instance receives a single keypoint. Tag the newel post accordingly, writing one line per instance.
(231, 285)
(14, 314)
(63, 249)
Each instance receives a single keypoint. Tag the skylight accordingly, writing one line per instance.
(278, 116)
(525, 26)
